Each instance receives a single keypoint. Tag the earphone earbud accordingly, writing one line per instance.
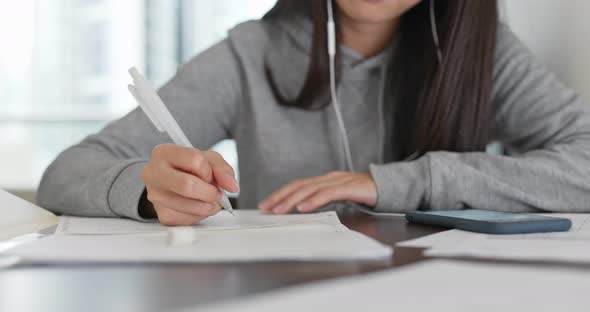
(331, 29)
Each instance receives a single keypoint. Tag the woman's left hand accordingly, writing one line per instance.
(310, 194)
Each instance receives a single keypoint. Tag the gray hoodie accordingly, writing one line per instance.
(223, 93)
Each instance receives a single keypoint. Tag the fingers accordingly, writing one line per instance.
(359, 188)
(223, 173)
(168, 179)
(291, 202)
(183, 204)
(172, 217)
(310, 194)
(186, 159)
(296, 191)
(277, 197)
(321, 198)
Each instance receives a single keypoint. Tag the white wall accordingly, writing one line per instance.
(558, 32)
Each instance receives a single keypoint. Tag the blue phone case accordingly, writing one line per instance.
(490, 222)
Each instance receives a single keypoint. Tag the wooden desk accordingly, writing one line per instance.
(152, 287)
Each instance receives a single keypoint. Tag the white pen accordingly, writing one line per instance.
(160, 116)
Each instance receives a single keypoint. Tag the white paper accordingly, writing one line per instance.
(437, 285)
(571, 246)
(20, 217)
(246, 219)
(248, 237)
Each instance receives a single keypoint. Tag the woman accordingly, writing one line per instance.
(416, 118)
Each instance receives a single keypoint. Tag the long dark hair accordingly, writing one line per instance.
(434, 106)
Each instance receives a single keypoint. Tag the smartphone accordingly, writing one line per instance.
(491, 222)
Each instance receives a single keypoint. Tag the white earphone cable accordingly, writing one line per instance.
(434, 31)
(331, 34)
(331, 29)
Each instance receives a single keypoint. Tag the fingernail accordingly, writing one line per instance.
(219, 196)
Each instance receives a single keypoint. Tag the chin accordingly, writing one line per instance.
(375, 11)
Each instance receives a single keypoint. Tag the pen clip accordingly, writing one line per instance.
(146, 108)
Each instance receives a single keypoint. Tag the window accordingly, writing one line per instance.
(63, 67)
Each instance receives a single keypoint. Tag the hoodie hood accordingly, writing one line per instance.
(292, 48)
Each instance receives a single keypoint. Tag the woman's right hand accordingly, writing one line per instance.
(183, 183)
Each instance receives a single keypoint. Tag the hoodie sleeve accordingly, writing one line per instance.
(101, 176)
(544, 125)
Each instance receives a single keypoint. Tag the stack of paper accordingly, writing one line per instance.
(249, 236)
(571, 246)
(436, 285)
(222, 221)
(20, 217)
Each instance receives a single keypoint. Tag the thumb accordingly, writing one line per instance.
(223, 173)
